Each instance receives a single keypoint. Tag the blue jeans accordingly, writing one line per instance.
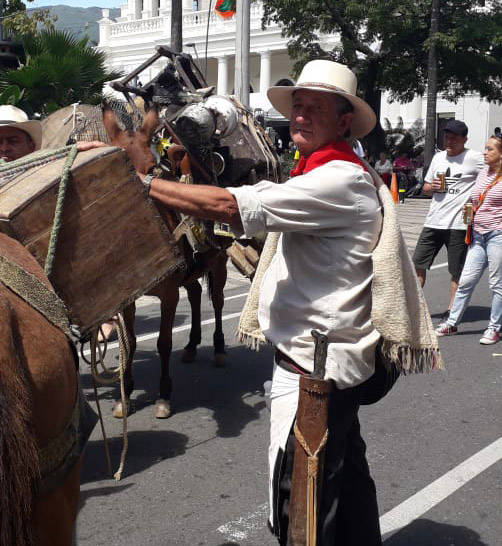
(485, 250)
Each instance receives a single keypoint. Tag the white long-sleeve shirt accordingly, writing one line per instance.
(321, 275)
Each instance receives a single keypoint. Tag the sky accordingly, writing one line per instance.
(77, 3)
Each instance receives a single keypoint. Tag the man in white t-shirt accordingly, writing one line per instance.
(443, 225)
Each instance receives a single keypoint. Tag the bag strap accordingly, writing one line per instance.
(468, 233)
(485, 191)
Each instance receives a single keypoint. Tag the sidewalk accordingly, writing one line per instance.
(411, 216)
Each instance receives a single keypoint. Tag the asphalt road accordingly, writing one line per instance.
(200, 477)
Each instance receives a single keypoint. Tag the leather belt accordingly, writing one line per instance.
(287, 363)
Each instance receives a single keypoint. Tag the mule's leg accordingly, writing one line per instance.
(168, 303)
(129, 314)
(217, 280)
(194, 293)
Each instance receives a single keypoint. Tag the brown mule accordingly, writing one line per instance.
(38, 391)
(212, 264)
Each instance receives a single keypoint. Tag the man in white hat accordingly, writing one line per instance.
(329, 218)
(19, 136)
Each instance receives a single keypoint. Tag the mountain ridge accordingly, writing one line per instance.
(78, 21)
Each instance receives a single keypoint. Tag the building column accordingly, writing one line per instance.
(104, 28)
(222, 87)
(147, 11)
(265, 70)
(164, 7)
(134, 9)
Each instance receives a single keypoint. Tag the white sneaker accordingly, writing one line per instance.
(490, 337)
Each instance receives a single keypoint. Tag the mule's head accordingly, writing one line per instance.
(136, 143)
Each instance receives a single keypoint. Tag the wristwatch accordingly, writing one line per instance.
(147, 182)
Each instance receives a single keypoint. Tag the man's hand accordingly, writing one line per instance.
(431, 187)
(435, 185)
(84, 145)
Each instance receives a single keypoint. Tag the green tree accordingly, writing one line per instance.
(387, 44)
(58, 70)
(15, 19)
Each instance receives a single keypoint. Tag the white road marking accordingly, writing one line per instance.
(403, 514)
(440, 489)
(444, 264)
(181, 328)
(240, 529)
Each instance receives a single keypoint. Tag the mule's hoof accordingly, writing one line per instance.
(188, 355)
(219, 360)
(162, 409)
(118, 410)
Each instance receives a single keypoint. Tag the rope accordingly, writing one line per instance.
(312, 475)
(110, 376)
(58, 214)
(11, 169)
(95, 347)
(124, 354)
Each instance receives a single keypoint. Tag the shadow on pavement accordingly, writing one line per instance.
(145, 449)
(229, 392)
(424, 532)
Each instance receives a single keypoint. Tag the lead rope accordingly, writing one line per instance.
(109, 377)
(58, 214)
(124, 353)
(312, 474)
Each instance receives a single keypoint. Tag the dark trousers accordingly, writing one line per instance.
(348, 513)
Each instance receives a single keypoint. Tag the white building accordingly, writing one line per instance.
(143, 24)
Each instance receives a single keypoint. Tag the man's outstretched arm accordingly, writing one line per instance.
(199, 201)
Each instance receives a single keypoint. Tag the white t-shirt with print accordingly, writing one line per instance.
(461, 171)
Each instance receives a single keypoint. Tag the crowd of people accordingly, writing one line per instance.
(328, 216)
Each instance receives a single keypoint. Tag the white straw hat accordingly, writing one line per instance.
(15, 117)
(329, 77)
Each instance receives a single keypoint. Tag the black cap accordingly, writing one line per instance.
(456, 127)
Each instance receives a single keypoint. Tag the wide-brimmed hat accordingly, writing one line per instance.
(15, 117)
(329, 77)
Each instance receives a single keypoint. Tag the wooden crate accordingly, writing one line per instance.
(112, 246)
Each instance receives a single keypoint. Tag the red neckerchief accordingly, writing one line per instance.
(334, 151)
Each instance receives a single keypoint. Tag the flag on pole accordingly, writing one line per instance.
(225, 8)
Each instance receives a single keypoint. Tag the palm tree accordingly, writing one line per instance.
(57, 70)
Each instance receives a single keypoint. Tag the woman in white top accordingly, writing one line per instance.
(384, 167)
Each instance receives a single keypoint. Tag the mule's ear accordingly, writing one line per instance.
(151, 122)
(110, 122)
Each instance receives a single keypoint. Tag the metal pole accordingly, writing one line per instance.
(242, 36)
(177, 26)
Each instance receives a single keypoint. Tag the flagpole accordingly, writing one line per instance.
(242, 38)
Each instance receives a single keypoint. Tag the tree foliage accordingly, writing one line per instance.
(15, 19)
(58, 70)
(386, 43)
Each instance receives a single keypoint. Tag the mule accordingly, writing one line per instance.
(212, 264)
(38, 393)
(88, 125)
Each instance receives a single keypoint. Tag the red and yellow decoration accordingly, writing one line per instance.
(225, 8)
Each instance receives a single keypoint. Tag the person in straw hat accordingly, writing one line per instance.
(324, 224)
(19, 136)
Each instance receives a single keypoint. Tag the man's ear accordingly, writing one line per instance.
(344, 124)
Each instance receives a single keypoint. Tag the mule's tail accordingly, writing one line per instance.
(19, 464)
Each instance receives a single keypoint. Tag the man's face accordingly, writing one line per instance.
(315, 120)
(14, 143)
(453, 144)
